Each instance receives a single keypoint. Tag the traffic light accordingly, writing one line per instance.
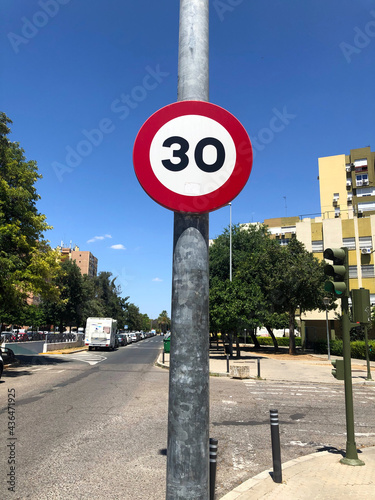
(339, 271)
(361, 306)
(338, 369)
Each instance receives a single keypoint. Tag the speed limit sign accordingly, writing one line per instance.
(192, 156)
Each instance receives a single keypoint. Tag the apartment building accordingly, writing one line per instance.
(347, 184)
(85, 260)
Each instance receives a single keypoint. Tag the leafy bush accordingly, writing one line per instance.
(358, 348)
(281, 341)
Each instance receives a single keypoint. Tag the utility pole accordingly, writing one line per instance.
(188, 411)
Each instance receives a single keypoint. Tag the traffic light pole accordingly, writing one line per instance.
(351, 456)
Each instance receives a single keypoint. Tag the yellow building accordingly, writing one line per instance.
(347, 184)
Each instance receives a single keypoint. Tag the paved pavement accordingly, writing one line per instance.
(319, 475)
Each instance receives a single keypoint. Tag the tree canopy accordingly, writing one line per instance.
(27, 263)
(270, 282)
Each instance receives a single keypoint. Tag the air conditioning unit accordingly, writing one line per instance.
(365, 182)
(366, 250)
(337, 214)
(359, 183)
(348, 183)
(348, 168)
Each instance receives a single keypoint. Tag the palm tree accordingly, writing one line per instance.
(164, 321)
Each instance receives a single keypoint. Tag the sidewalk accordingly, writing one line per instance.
(316, 476)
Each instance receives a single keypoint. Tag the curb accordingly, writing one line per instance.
(166, 367)
(254, 481)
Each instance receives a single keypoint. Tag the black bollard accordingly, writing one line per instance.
(276, 451)
(227, 363)
(213, 461)
(258, 363)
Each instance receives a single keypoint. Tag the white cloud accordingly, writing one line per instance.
(98, 238)
(118, 247)
(157, 279)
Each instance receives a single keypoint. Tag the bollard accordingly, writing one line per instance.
(163, 356)
(276, 452)
(213, 457)
(258, 363)
(227, 363)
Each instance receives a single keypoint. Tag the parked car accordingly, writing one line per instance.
(122, 339)
(128, 336)
(22, 337)
(135, 336)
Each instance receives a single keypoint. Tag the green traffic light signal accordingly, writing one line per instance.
(339, 287)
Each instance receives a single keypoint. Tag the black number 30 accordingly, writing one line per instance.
(198, 154)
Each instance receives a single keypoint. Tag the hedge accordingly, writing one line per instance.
(358, 348)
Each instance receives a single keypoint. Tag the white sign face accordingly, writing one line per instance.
(187, 150)
(192, 157)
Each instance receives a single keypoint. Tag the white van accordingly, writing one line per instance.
(101, 333)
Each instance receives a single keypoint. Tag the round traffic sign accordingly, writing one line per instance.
(192, 156)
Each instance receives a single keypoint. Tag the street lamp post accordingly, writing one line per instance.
(326, 302)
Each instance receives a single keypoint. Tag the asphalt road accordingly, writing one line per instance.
(94, 425)
(88, 425)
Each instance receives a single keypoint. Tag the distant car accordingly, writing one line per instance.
(134, 336)
(122, 339)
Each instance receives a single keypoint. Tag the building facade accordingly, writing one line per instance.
(86, 261)
(347, 184)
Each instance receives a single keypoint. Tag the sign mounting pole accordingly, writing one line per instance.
(188, 412)
(191, 157)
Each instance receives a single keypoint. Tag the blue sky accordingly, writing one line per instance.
(67, 63)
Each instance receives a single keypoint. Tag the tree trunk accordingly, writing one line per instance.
(275, 344)
(254, 339)
(292, 339)
(238, 347)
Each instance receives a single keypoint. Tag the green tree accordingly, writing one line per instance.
(133, 318)
(146, 322)
(297, 283)
(252, 264)
(27, 264)
(164, 321)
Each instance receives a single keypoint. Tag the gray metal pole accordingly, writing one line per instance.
(328, 345)
(188, 412)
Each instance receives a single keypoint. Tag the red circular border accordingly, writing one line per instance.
(192, 204)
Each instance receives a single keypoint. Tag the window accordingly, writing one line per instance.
(366, 191)
(353, 272)
(317, 246)
(368, 271)
(367, 206)
(361, 179)
(365, 242)
(349, 243)
(360, 165)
